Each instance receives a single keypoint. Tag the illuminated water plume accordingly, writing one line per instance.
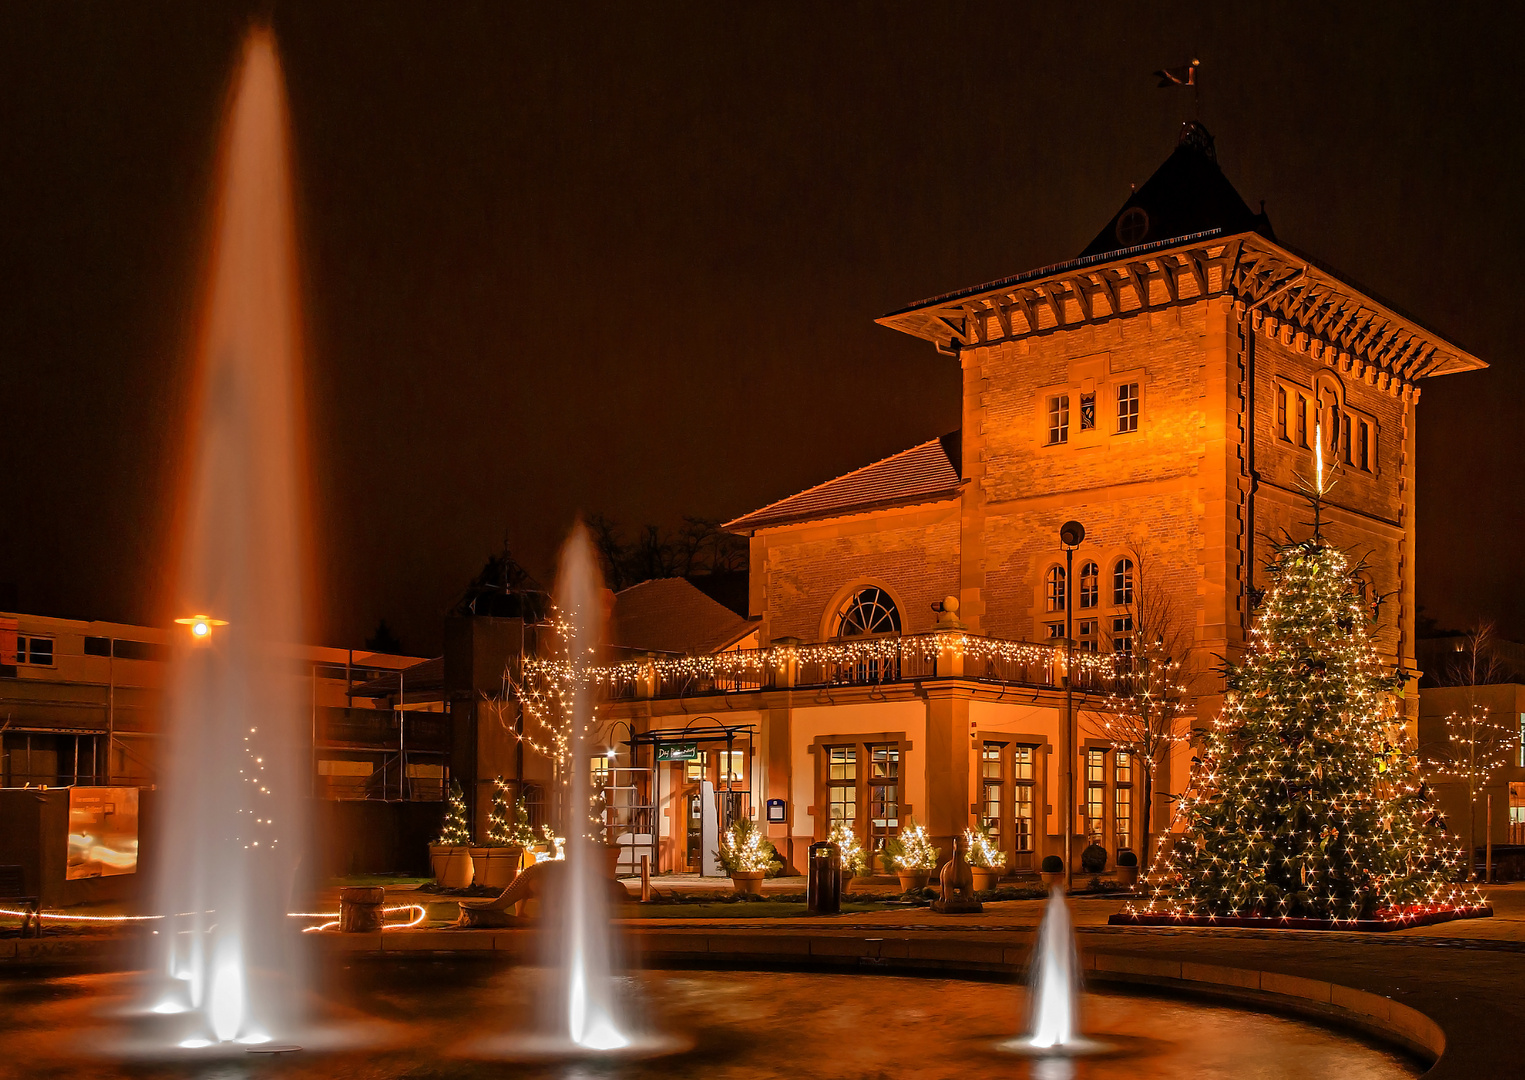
(233, 823)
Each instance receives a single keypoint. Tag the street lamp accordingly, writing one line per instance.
(200, 625)
(1071, 533)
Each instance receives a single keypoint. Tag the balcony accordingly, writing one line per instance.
(879, 661)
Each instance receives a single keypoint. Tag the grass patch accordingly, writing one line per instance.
(720, 909)
(359, 880)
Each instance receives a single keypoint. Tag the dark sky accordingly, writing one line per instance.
(628, 258)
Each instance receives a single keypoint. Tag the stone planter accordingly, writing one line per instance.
(986, 877)
(1128, 875)
(611, 853)
(495, 867)
(911, 880)
(748, 882)
(1052, 879)
(451, 864)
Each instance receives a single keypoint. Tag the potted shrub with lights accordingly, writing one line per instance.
(986, 860)
(496, 863)
(854, 860)
(747, 856)
(1051, 870)
(450, 855)
(913, 856)
(1127, 868)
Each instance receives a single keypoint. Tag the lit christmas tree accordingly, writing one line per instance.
(456, 828)
(1306, 802)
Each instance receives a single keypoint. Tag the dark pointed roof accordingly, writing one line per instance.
(1186, 195)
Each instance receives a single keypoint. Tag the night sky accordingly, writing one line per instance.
(628, 259)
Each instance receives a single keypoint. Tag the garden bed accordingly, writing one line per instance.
(1380, 925)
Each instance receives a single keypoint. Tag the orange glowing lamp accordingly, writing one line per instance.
(201, 625)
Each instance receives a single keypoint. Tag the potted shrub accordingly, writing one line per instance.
(1093, 860)
(913, 855)
(1051, 870)
(450, 855)
(986, 861)
(747, 856)
(1127, 868)
(854, 860)
(496, 863)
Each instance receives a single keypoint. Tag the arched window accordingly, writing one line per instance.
(1122, 582)
(1053, 588)
(1090, 584)
(868, 611)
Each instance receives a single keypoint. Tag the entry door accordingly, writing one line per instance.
(694, 814)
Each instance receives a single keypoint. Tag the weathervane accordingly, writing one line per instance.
(1183, 76)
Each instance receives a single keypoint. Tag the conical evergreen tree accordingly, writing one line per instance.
(1306, 802)
(456, 828)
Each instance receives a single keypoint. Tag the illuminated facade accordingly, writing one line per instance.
(1166, 389)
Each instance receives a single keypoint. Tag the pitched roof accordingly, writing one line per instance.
(1187, 194)
(925, 473)
(670, 615)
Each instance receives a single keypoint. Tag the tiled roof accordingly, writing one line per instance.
(670, 615)
(923, 473)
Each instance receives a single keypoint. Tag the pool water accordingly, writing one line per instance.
(426, 1020)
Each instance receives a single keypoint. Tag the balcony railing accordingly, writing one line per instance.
(860, 662)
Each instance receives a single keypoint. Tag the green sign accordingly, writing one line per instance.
(683, 751)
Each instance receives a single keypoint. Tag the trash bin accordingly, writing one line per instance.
(823, 880)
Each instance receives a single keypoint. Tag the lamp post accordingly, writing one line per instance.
(1071, 533)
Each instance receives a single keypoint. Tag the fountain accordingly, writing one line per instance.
(234, 824)
(585, 947)
(1054, 994)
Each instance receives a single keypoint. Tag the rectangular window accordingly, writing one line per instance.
(34, 650)
(1522, 741)
(1345, 439)
(1096, 793)
(1023, 773)
(1281, 411)
(992, 788)
(1085, 634)
(733, 765)
(1122, 814)
(883, 794)
(1122, 635)
(697, 768)
(1363, 447)
(1055, 631)
(1087, 411)
(1302, 421)
(842, 784)
(1122, 765)
(1059, 419)
(600, 768)
(1127, 407)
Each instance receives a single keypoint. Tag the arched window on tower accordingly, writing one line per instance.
(1090, 584)
(1122, 582)
(868, 611)
(1053, 588)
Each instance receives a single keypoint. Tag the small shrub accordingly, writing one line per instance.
(981, 850)
(744, 850)
(1052, 864)
(1127, 858)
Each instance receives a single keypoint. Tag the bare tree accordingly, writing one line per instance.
(1476, 745)
(1146, 712)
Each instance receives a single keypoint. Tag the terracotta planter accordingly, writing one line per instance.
(1052, 879)
(748, 882)
(495, 867)
(451, 864)
(911, 880)
(986, 877)
(1128, 875)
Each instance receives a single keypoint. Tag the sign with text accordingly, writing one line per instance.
(683, 751)
(103, 832)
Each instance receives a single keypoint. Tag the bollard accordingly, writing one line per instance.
(360, 909)
(645, 879)
(823, 880)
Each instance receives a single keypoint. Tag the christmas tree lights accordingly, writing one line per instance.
(854, 861)
(913, 849)
(456, 829)
(981, 849)
(744, 850)
(1306, 802)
